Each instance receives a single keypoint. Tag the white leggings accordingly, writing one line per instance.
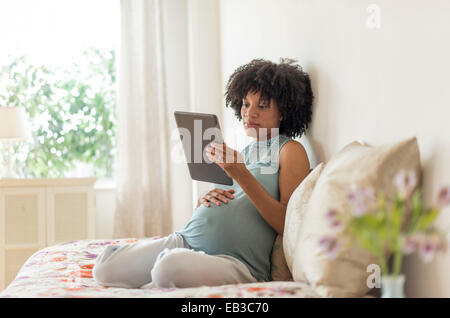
(166, 262)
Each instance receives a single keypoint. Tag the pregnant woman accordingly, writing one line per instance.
(230, 235)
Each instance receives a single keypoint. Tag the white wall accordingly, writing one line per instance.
(378, 85)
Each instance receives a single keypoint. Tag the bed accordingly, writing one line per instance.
(65, 271)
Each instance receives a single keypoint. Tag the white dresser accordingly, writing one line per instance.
(35, 213)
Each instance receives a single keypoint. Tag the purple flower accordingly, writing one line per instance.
(427, 245)
(443, 196)
(427, 252)
(405, 182)
(332, 218)
(329, 245)
(412, 243)
(362, 200)
(409, 247)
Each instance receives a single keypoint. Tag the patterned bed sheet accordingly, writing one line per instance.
(65, 270)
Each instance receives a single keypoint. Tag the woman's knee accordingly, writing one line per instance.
(105, 272)
(111, 275)
(101, 274)
(168, 271)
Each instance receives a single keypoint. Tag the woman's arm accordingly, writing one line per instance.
(294, 167)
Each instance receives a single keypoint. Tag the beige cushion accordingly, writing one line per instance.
(363, 165)
(279, 270)
(294, 212)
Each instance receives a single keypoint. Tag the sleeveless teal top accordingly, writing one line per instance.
(236, 228)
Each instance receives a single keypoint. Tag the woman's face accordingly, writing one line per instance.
(259, 116)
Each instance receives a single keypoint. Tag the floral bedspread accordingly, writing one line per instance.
(65, 270)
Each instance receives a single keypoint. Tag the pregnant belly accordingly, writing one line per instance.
(226, 229)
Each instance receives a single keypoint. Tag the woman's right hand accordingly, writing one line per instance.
(216, 196)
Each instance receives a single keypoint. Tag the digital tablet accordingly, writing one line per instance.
(197, 130)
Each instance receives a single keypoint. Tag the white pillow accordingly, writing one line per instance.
(294, 212)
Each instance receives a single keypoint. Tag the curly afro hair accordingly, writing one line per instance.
(285, 82)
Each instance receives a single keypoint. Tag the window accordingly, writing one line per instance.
(57, 59)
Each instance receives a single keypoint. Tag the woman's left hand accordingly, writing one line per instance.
(230, 160)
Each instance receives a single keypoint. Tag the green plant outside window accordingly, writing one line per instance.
(72, 112)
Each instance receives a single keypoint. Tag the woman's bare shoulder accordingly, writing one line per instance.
(293, 152)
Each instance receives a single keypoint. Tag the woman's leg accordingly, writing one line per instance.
(181, 267)
(130, 265)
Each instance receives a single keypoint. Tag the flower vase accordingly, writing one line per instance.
(392, 286)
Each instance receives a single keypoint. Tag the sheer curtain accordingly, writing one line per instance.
(142, 201)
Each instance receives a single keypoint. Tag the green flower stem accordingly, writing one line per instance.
(398, 257)
(397, 248)
(383, 264)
